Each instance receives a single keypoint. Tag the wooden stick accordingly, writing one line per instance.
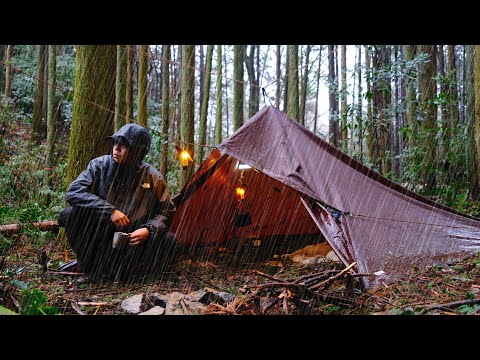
(332, 277)
(269, 276)
(452, 304)
(46, 225)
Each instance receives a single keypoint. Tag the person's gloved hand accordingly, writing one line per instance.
(119, 218)
(138, 236)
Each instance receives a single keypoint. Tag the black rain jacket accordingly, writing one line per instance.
(134, 188)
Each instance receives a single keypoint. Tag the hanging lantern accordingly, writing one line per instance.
(240, 192)
(184, 157)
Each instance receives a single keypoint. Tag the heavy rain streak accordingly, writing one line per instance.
(243, 179)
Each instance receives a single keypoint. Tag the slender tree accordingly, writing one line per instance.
(293, 100)
(252, 80)
(476, 125)
(52, 76)
(285, 80)
(381, 96)
(371, 133)
(359, 117)
(204, 107)
(202, 79)
(428, 111)
(8, 71)
(94, 83)
(2, 68)
(238, 88)
(279, 75)
(315, 116)
(142, 84)
(303, 98)
(39, 92)
(187, 107)
(165, 109)
(332, 98)
(411, 94)
(121, 87)
(218, 114)
(343, 96)
(473, 126)
(227, 109)
(446, 130)
(131, 54)
(396, 127)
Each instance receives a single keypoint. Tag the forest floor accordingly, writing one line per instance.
(259, 287)
(30, 284)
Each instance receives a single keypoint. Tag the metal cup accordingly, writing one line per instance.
(120, 240)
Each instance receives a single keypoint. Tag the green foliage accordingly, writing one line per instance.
(469, 309)
(34, 302)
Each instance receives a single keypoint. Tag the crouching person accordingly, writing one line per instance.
(120, 192)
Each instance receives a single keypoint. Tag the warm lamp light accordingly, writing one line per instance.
(240, 191)
(184, 157)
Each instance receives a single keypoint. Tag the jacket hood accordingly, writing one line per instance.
(137, 138)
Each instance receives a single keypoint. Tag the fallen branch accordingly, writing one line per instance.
(46, 225)
(451, 305)
(268, 276)
(332, 277)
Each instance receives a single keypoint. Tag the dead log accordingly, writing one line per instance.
(451, 304)
(45, 225)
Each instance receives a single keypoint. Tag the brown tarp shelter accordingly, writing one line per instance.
(300, 184)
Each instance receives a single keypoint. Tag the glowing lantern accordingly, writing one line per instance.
(184, 157)
(240, 191)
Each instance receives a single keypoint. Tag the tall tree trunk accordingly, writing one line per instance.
(257, 82)
(2, 68)
(165, 109)
(45, 97)
(344, 99)
(453, 111)
(381, 102)
(476, 126)
(359, 105)
(179, 72)
(411, 95)
(285, 81)
(473, 129)
(371, 135)
(279, 75)
(396, 127)
(204, 108)
(202, 82)
(315, 117)
(142, 84)
(227, 109)
(38, 104)
(8, 71)
(444, 108)
(292, 102)
(304, 87)
(121, 87)
(218, 114)
(332, 98)
(427, 109)
(250, 66)
(238, 54)
(94, 83)
(52, 76)
(187, 108)
(131, 51)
